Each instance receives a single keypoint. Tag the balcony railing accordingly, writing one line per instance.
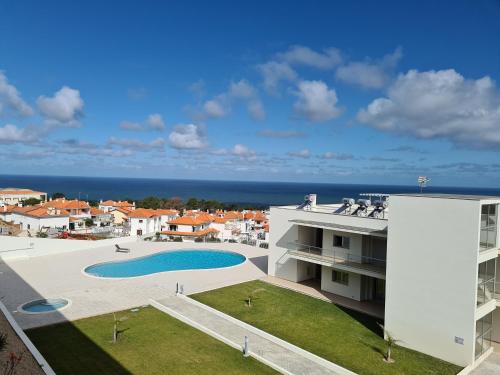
(338, 257)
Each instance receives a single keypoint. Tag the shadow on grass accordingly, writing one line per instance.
(367, 321)
(64, 346)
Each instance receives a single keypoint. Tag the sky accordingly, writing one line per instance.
(311, 91)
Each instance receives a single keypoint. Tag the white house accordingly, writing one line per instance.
(143, 221)
(425, 263)
(13, 196)
(35, 218)
(191, 227)
(111, 205)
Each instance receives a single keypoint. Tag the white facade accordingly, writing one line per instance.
(144, 225)
(420, 259)
(33, 223)
(16, 196)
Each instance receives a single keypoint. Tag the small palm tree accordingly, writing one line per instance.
(391, 341)
(115, 326)
(252, 296)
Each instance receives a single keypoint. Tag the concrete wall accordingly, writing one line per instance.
(352, 290)
(432, 275)
(22, 247)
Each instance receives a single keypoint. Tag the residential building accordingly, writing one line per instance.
(120, 215)
(100, 217)
(14, 196)
(426, 263)
(36, 218)
(191, 227)
(79, 211)
(143, 221)
(111, 205)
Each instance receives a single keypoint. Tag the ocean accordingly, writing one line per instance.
(239, 192)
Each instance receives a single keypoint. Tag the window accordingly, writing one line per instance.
(488, 235)
(341, 241)
(340, 277)
(483, 334)
(486, 281)
(140, 221)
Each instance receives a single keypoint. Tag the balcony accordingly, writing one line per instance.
(341, 259)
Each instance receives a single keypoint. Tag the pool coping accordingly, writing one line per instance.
(161, 272)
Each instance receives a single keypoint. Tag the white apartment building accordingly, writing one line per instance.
(426, 263)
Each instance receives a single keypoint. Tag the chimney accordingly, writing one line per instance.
(312, 199)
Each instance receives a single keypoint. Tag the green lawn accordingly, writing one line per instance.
(345, 337)
(152, 342)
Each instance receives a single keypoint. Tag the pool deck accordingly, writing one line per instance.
(62, 276)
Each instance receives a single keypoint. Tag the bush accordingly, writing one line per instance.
(198, 239)
(177, 239)
(213, 239)
(232, 241)
(89, 222)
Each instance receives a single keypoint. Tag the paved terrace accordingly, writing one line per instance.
(55, 276)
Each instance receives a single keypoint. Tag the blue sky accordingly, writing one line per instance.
(323, 91)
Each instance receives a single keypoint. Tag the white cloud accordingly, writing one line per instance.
(370, 74)
(256, 110)
(243, 151)
(65, 106)
(301, 55)
(274, 72)
(304, 153)
(270, 133)
(215, 108)
(439, 104)
(336, 156)
(316, 102)
(137, 144)
(155, 121)
(133, 126)
(11, 98)
(241, 89)
(12, 134)
(188, 136)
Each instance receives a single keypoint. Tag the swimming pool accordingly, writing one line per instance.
(166, 261)
(44, 305)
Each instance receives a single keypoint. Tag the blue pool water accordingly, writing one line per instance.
(45, 305)
(166, 261)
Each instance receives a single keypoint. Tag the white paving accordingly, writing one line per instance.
(279, 355)
(56, 276)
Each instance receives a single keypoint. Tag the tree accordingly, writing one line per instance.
(391, 341)
(58, 195)
(192, 204)
(89, 222)
(150, 202)
(116, 331)
(31, 202)
(253, 295)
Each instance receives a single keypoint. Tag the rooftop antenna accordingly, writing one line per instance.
(422, 182)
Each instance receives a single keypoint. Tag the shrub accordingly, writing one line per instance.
(41, 234)
(198, 239)
(232, 241)
(177, 239)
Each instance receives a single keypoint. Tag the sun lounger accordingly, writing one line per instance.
(121, 249)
